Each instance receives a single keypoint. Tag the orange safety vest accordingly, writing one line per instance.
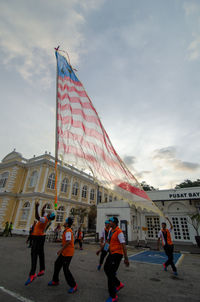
(69, 250)
(169, 240)
(39, 228)
(115, 246)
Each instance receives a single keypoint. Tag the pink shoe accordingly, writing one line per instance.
(72, 290)
(41, 273)
(30, 279)
(53, 283)
(110, 299)
(165, 268)
(119, 287)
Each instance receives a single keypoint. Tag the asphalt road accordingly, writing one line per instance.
(143, 282)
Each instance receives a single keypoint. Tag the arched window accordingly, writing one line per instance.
(115, 198)
(84, 192)
(51, 181)
(64, 185)
(25, 211)
(110, 198)
(33, 179)
(105, 197)
(75, 189)
(92, 194)
(3, 179)
(60, 214)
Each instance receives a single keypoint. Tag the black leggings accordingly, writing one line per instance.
(80, 242)
(111, 266)
(37, 249)
(64, 262)
(169, 249)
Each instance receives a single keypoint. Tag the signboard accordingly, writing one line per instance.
(184, 195)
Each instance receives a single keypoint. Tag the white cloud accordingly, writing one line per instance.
(30, 32)
(194, 49)
(167, 157)
(191, 8)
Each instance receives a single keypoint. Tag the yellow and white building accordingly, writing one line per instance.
(23, 182)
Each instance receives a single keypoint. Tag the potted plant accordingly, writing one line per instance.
(195, 222)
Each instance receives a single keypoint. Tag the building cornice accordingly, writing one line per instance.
(43, 196)
(38, 161)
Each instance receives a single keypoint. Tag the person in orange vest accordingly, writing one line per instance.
(79, 238)
(117, 248)
(65, 255)
(103, 238)
(167, 244)
(38, 239)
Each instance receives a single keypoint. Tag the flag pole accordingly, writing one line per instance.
(56, 140)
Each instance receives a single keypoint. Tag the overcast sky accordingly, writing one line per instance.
(139, 62)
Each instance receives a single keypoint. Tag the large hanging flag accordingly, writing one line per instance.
(83, 142)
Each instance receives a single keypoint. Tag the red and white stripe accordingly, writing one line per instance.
(84, 143)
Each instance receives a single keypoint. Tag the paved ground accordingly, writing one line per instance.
(144, 282)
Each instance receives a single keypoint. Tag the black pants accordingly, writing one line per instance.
(80, 242)
(111, 266)
(64, 262)
(169, 249)
(30, 239)
(103, 255)
(9, 232)
(37, 249)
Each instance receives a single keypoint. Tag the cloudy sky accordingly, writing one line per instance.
(139, 62)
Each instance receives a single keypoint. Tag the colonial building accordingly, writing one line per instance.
(178, 205)
(23, 182)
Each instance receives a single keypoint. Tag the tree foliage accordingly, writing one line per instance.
(195, 222)
(147, 187)
(188, 183)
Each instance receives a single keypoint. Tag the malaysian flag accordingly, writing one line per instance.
(83, 142)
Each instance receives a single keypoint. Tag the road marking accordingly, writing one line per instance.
(15, 295)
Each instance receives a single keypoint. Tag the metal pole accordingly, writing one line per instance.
(56, 138)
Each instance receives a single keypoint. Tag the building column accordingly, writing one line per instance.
(27, 178)
(80, 193)
(45, 179)
(17, 215)
(38, 180)
(88, 199)
(70, 189)
(59, 182)
(30, 213)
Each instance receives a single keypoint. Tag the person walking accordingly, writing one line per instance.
(5, 231)
(167, 244)
(65, 255)
(79, 238)
(38, 239)
(10, 229)
(103, 238)
(117, 248)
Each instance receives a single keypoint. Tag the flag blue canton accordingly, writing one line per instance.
(64, 69)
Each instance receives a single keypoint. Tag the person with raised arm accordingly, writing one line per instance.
(167, 244)
(38, 239)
